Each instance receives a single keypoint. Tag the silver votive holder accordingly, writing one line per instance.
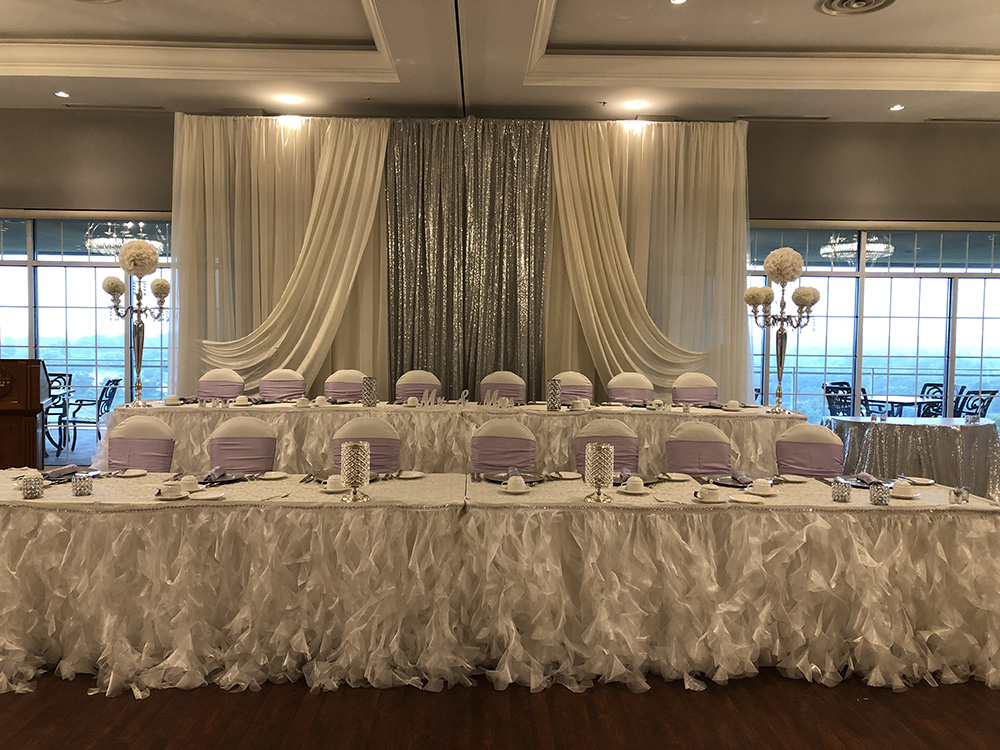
(553, 395)
(32, 486)
(355, 462)
(959, 496)
(878, 493)
(840, 491)
(83, 485)
(599, 468)
(369, 391)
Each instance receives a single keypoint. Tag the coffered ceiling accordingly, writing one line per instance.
(702, 59)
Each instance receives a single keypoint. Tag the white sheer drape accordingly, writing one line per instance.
(648, 262)
(272, 235)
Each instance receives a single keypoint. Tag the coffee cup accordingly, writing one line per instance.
(189, 483)
(514, 484)
(303, 401)
(733, 404)
(761, 487)
(242, 400)
(334, 482)
(634, 484)
(321, 401)
(172, 400)
(709, 492)
(171, 489)
(577, 404)
(903, 489)
(412, 401)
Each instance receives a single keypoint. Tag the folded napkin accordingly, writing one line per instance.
(711, 405)
(214, 475)
(513, 472)
(62, 471)
(742, 478)
(865, 478)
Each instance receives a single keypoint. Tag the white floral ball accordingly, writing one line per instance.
(805, 296)
(160, 287)
(783, 265)
(138, 258)
(113, 285)
(758, 295)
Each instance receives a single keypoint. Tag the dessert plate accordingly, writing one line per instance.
(914, 496)
(793, 478)
(130, 473)
(208, 495)
(674, 476)
(746, 499)
(410, 475)
(268, 475)
(922, 481)
(566, 475)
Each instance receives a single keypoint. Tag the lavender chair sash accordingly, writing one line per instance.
(626, 451)
(699, 396)
(343, 391)
(571, 393)
(250, 455)
(409, 390)
(630, 395)
(219, 388)
(151, 454)
(810, 459)
(513, 391)
(699, 458)
(383, 453)
(498, 453)
(282, 390)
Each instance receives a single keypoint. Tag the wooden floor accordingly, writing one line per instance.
(766, 711)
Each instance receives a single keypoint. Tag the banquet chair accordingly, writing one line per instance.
(382, 439)
(345, 386)
(141, 443)
(220, 383)
(244, 444)
(504, 384)
(974, 403)
(102, 405)
(614, 433)
(694, 388)
(630, 388)
(414, 383)
(575, 385)
(501, 444)
(811, 450)
(699, 449)
(282, 385)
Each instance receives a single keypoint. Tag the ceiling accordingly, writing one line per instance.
(701, 60)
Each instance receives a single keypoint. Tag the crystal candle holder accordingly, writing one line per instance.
(878, 493)
(83, 485)
(841, 492)
(553, 395)
(598, 470)
(369, 391)
(32, 487)
(355, 460)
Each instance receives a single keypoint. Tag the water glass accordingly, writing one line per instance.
(841, 492)
(83, 485)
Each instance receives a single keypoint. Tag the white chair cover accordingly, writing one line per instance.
(630, 388)
(282, 385)
(575, 385)
(220, 383)
(141, 443)
(811, 450)
(699, 449)
(501, 444)
(695, 388)
(344, 385)
(382, 439)
(415, 382)
(244, 444)
(615, 433)
(504, 384)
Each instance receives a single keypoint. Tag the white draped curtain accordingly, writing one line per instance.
(648, 261)
(279, 240)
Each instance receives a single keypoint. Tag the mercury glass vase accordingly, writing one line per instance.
(369, 391)
(553, 395)
(355, 460)
(598, 470)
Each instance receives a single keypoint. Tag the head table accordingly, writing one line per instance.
(437, 438)
(440, 579)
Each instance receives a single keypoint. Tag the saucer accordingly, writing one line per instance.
(673, 476)
(410, 475)
(746, 499)
(720, 498)
(334, 490)
(168, 402)
(409, 406)
(272, 475)
(508, 491)
(241, 403)
(772, 493)
(914, 496)
(643, 491)
(728, 408)
(208, 495)
(130, 473)
(181, 496)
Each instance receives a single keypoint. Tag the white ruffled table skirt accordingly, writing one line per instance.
(947, 449)
(437, 439)
(424, 587)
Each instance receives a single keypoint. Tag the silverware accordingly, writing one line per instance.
(306, 479)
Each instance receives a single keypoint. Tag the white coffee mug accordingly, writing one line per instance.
(707, 492)
(334, 482)
(634, 484)
(902, 488)
(514, 483)
(171, 488)
(189, 483)
(761, 487)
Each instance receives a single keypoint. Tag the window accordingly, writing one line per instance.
(901, 312)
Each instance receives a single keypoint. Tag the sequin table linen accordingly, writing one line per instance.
(948, 450)
(436, 439)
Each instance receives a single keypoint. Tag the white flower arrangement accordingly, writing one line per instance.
(759, 296)
(160, 287)
(113, 285)
(805, 296)
(783, 265)
(138, 258)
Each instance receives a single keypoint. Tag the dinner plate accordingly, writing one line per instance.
(920, 481)
(914, 496)
(208, 495)
(747, 499)
(508, 491)
(793, 478)
(130, 473)
(674, 476)
(410, 475)
(705, 501)
(181, 496)
(268, 475)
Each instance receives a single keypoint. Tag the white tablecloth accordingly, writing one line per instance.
(439, 579)
(436, 439)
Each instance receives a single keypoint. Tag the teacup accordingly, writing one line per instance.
(514, 484)
(242, 400)
(577, 404)
(189, 483)
(761, 487)
(334, 482)
(303, 401)
(733, 404)
(171, 489)
(320, 401)
(172, 400)
(634, 484)
(412, 401)
(903, 489)
(709, 492)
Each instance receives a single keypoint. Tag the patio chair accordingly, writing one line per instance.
(974, 403)
(103, 404)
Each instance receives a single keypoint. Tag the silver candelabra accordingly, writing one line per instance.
(160, 288)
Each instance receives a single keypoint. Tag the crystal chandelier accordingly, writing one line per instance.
(843, 248)
(107, 237)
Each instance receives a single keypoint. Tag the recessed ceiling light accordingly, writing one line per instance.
(896, 107)
(62, 95)
(635, 104)
(289, 99)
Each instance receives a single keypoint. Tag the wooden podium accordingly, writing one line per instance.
(24, 390)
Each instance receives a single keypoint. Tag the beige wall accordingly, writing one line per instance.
(864, 171)
(104, 161)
